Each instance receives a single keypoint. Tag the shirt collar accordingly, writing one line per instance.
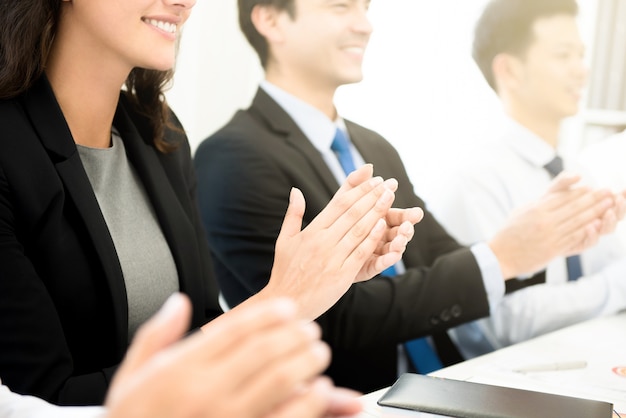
(527, 144)
(315, 125)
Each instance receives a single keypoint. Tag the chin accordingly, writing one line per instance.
(162, 66)
(352, 79)
(164, 63)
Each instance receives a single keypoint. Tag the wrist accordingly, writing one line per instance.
(507, 266)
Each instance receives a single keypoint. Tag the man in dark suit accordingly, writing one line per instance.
(308, 48)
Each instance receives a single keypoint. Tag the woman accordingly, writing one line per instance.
(98, 218)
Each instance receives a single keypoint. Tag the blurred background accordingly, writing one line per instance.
(421, 90)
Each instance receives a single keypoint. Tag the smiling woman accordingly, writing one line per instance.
(74, 283)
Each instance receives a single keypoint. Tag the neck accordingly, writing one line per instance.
(545, 127)
(87, 89)
(316, 94)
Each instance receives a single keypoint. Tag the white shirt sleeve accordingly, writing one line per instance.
(491, 274)
(539, 309)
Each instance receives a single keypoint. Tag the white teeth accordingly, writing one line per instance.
(164, 26)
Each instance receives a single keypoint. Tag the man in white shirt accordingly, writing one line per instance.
(531, 54)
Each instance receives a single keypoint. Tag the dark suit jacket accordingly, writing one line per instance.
(63, 309)
(245, 173)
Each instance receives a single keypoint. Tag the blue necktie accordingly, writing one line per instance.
(419, 351)
(341, 147)
(574, 268)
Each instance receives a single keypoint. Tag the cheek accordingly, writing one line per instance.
(546, 79)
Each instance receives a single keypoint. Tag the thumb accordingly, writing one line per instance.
(167, 326)
(292, 223)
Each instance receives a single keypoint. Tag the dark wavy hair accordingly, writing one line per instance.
(506, 26)
(258, 42)
(27, 30)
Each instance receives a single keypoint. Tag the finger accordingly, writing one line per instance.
(311, 401)
(374, 264)
(344, 402)
(396, 216)
(399, 222)
(584, 239)
(566, 203)
(343, 201)
(275, 364)
(247, 318)
(378, 264)
(593, 209)
(397, 241)
(620, 206)
(358, 176)
(358, 221)
(361, 217)
(609, 222)
(354, 219)
(164, 328)
(406, 229)
(563, 181)
(292, 223)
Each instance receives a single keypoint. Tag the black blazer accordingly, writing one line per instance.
(63, 309)
(245, 173)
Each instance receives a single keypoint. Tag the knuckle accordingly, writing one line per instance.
(354, 214)
(359, 231)
(282, 377)
(361, 253)
(343, 201)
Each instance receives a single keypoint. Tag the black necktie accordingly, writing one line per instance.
(574, 268)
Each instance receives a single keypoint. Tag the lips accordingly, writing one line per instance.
(162, 25)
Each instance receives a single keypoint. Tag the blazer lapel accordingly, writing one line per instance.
(173, 218)
(369, 147)
(278, 121)
(55, 136)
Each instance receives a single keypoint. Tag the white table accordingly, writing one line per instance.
(599, 343)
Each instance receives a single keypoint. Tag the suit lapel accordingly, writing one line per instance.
(358, 141)
(173, 218)
(49, 122)
(281, 124)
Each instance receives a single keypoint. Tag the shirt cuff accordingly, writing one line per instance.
(491, 272)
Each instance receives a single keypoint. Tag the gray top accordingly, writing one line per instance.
(149, 271)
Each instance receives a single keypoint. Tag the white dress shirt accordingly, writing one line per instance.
(13, 405)
(474, 202)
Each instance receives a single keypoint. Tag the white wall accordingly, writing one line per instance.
(421, 90)
(217, 71)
